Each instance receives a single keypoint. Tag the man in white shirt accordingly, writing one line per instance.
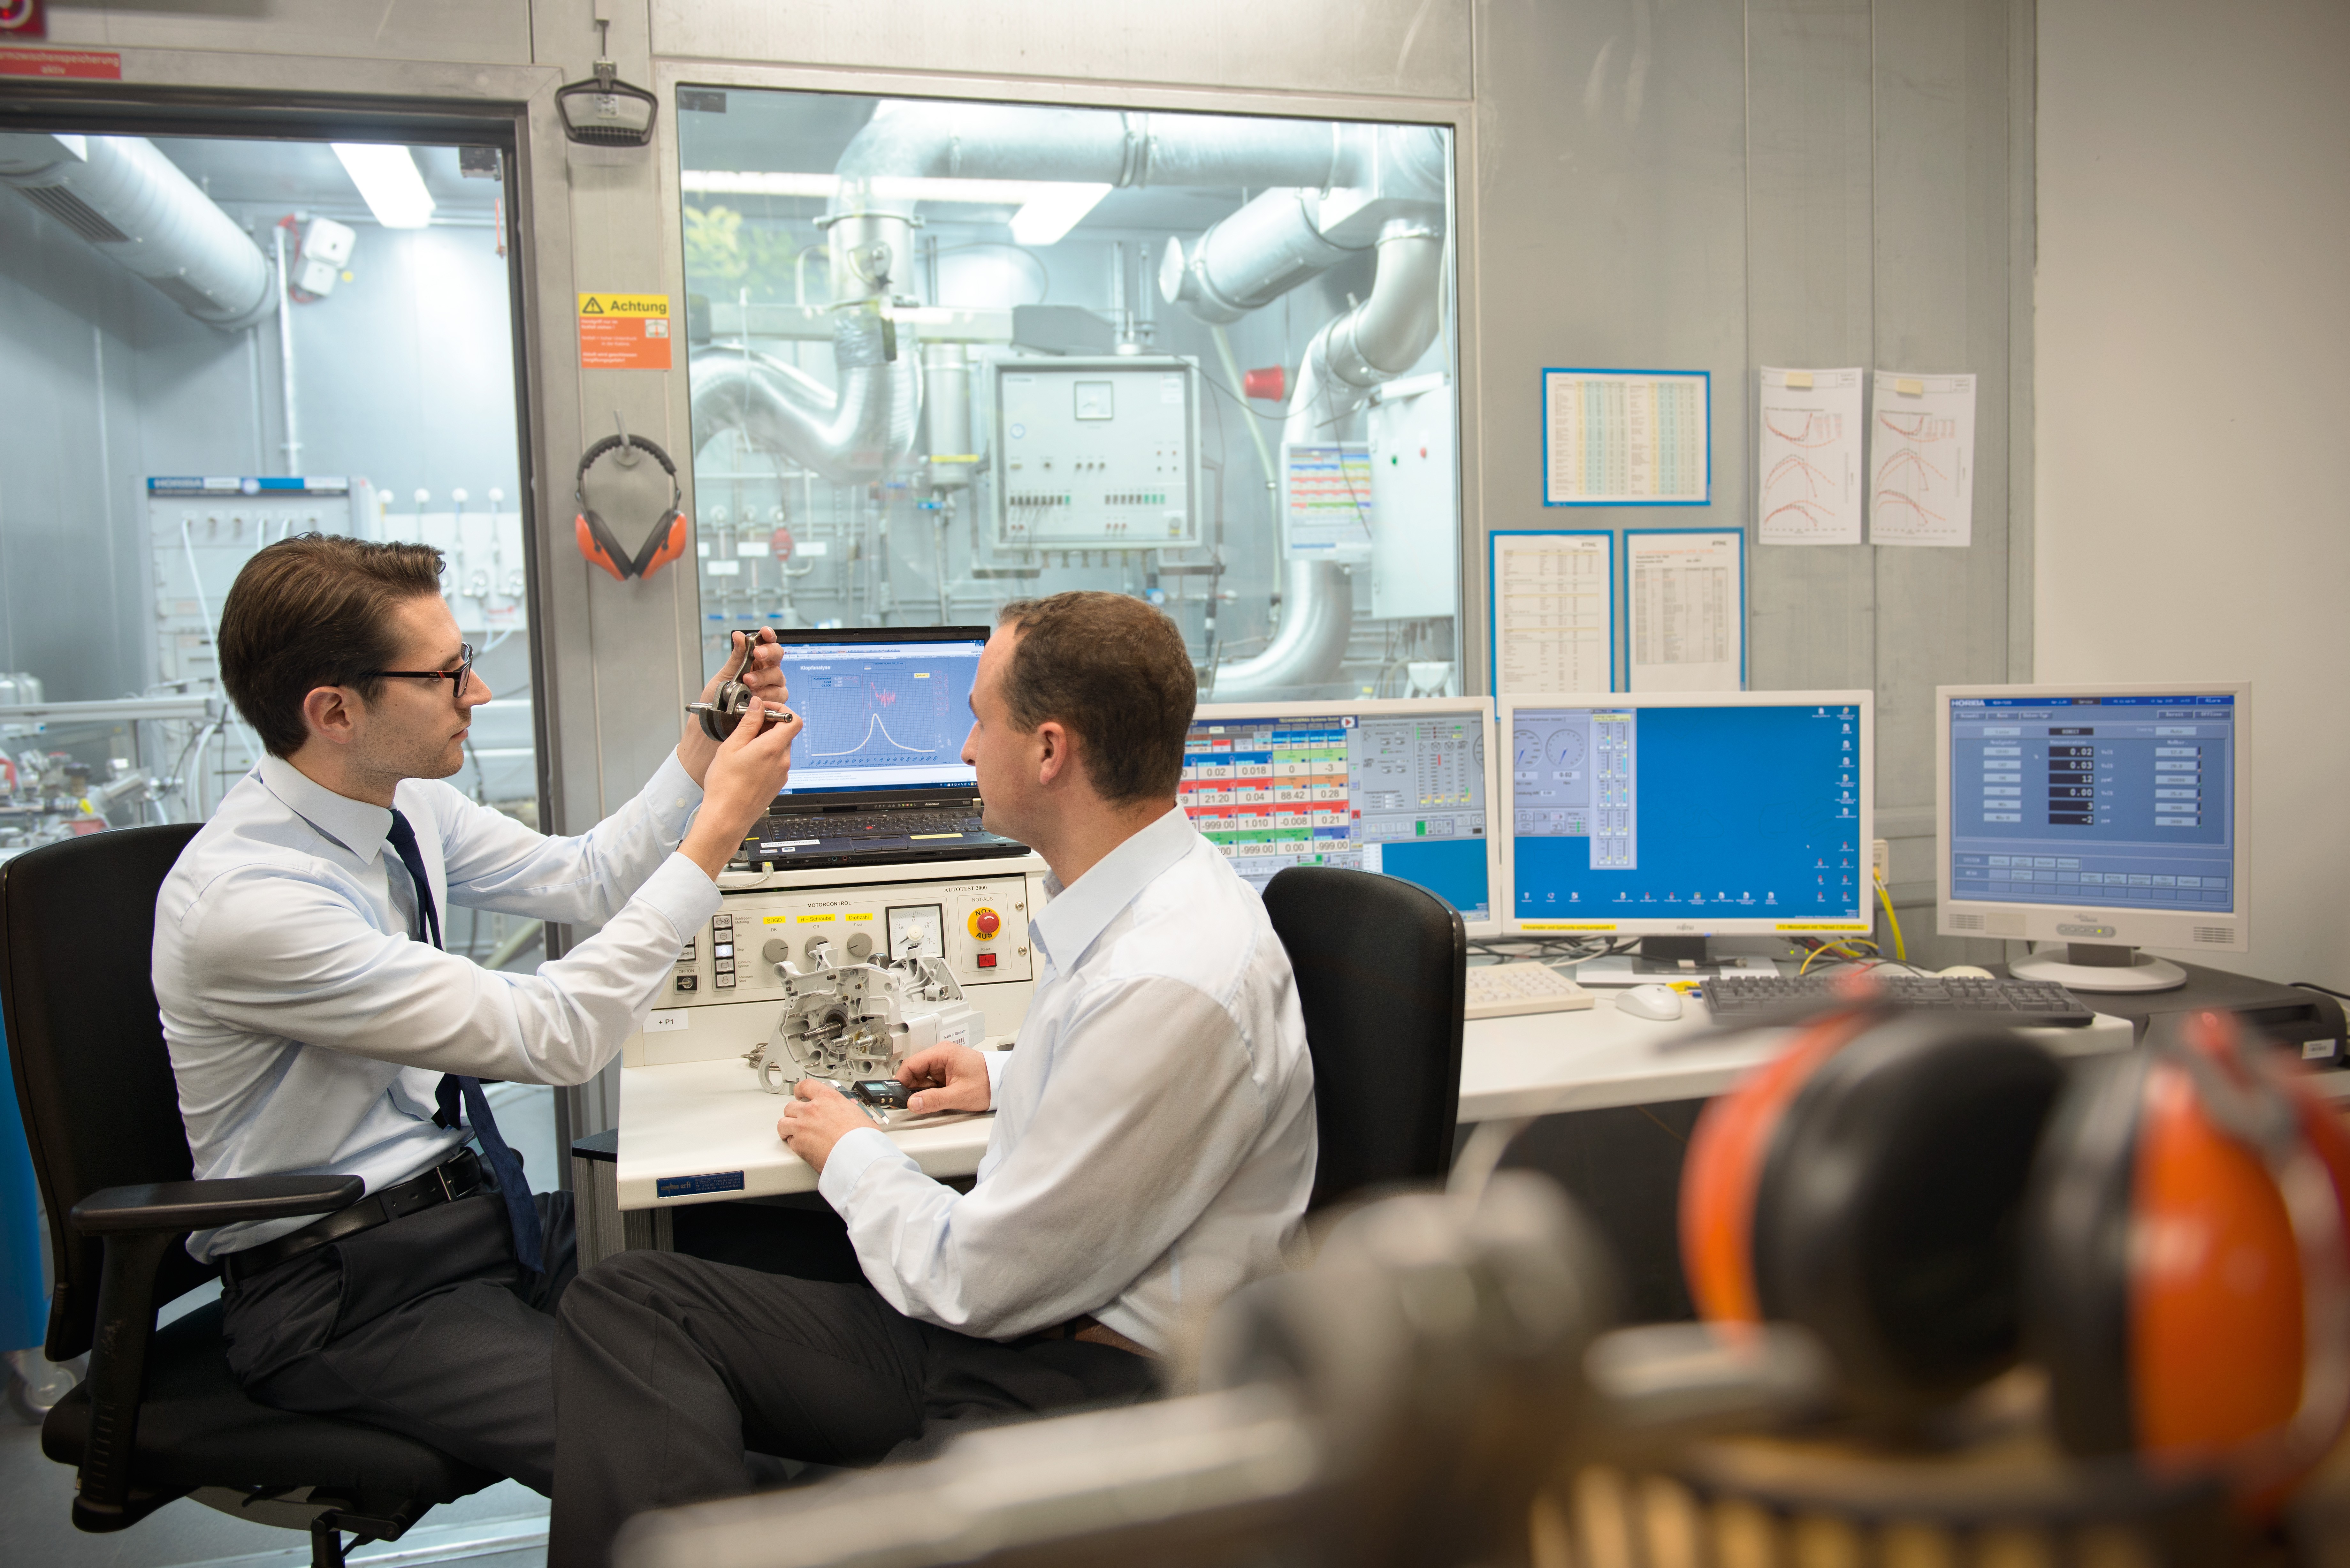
(1153, 1145)
(316, 1024)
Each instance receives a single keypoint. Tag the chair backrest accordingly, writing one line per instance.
(93, 1076)
(1382, 970)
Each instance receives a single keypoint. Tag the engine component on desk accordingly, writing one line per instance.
(856, 1021)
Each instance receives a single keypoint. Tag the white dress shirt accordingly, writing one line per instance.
(1154, 1131)
(309, 1031)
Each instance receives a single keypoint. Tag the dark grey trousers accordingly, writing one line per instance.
(426, 1326)
(671, 1372)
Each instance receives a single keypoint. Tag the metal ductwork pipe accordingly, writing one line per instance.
(860, 432)
(1377, 341)
(1250, 259)
(132, 203)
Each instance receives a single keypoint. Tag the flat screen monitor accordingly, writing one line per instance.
(1688, 814)
(887, 709)
(1400, 786)
(2106, 817)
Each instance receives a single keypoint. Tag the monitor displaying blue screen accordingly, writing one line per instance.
(1402, 794)
(2115, 802)
(880, 715)
(1743, 813)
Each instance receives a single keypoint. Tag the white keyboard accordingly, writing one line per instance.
(1507, 990)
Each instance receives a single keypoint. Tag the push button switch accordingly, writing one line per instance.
(985, 923)
(987, 960)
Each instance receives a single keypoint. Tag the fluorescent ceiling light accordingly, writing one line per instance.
(387, 178)
(1049, 217)
(1048, 209)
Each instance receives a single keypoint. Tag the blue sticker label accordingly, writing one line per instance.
(687, 1186)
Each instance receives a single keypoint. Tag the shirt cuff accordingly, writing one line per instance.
(671, 792)
(850, 1159)
(996, 1061)
(682, 891)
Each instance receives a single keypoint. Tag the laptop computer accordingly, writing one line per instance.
(878, 776)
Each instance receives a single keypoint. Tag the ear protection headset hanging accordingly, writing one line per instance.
(2163, 1231)
(664, 544)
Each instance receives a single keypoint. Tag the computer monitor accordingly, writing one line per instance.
(1401, 786)
(1677, 817)
(2106, 817)
(887, 709)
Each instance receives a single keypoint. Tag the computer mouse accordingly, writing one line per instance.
(1965, 972)
(1660, 1002)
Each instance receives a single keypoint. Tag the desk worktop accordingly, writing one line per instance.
(711, 1119)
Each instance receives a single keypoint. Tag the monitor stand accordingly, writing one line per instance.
(2099, 967)
(1669, 957)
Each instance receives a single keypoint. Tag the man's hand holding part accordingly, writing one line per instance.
(819, 1116)
(757, 662)
(739, 782)
(949, 1078)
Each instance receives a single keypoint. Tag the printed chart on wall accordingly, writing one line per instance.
(1922, 459)
(1552, 608)
(1627, 437)
(1808, 457)
(1685, 609)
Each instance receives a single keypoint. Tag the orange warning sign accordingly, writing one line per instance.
(624, 332)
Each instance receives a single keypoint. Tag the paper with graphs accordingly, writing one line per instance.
(1922, 459)
(1809, 463)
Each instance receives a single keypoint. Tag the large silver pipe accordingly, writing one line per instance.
(1248, 260)
(132, 203)
(859, 433)
(1377, 341)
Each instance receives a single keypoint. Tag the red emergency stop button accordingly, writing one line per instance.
(987, 960)
(985, 923)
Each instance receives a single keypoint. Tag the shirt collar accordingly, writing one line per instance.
(356, 825)
(1064, 928)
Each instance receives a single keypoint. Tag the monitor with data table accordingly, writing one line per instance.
(1683, 816)
(2105, 818)
(1400, 786)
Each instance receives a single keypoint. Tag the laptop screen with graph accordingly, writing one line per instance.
(886, 710)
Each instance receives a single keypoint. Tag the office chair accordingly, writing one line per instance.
(1382, 970)
(160, 1417)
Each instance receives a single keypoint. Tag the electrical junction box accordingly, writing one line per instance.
(1415, 519)
(1097, 454)
(326, 246)
(726, 991)
(202, 531)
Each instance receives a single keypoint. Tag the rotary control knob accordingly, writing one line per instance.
(985, 923)
(776, 951)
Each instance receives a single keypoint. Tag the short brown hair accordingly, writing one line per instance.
(310, 611)
(1115, 671)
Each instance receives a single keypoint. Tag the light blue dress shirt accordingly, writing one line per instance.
(1154, 1142)
(308, 1030)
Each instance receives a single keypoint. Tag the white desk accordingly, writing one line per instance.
(711, 1119)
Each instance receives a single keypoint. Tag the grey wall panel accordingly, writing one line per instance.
(1811, 291)
(1610, 173)
(486, 31)
(1413, 48)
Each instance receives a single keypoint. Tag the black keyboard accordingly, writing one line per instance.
(1755, 998)
(880, 824)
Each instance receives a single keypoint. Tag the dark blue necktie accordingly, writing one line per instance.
(521, 1212)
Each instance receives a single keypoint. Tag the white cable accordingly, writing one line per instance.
(188, 542)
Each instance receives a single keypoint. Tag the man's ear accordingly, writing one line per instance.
(330, 712)
(1054, 754)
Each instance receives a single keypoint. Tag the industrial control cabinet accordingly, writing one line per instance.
(1097, 454)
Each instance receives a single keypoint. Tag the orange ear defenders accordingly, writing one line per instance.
(2162, 1230)
(664, 544)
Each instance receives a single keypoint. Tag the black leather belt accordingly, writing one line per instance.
(459, 1176)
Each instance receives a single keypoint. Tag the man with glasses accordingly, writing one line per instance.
(317, 1024)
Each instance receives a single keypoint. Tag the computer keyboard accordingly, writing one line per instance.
(1754, 998)
(1507, 990)
(880, 824)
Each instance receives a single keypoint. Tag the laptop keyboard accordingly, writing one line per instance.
(855, 835)
(880, 824)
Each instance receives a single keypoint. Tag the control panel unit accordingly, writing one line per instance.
(730, 975)
(1097, 454)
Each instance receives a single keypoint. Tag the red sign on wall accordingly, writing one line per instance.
(91, 65)
(22, 19)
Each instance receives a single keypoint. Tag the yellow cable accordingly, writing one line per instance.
(1840, 949)
(1900, 948)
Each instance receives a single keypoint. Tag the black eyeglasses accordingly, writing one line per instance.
(460, 675)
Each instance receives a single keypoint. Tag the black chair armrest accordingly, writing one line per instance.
(141, 1224)
(183, 1206)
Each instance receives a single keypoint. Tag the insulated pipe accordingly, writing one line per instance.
(132, 203)
(1250, 258)
(860, 432)
(1377, 341)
